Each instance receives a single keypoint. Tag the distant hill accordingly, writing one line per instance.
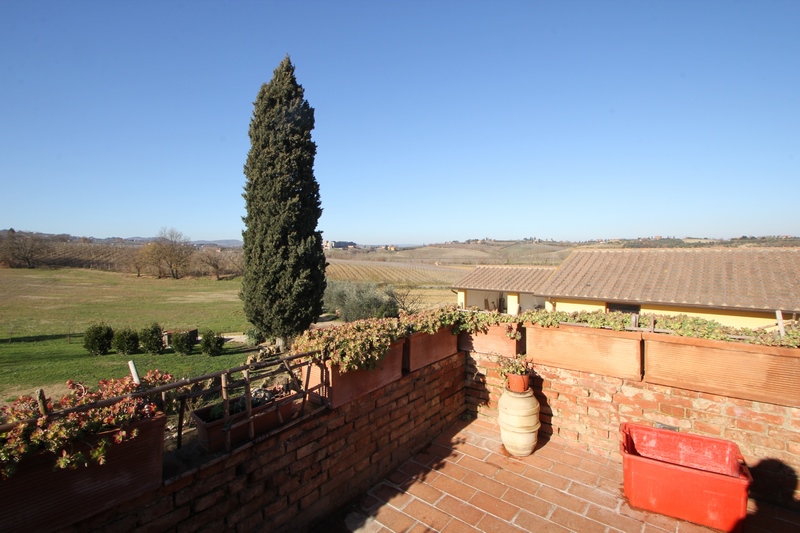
(225, 243)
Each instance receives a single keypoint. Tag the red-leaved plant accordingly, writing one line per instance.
(60, 434)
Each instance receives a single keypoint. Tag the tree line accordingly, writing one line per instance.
(169, 255)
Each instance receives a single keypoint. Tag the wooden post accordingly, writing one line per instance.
(42, 401)
(226, 411)
(180, 421)
(781, 328)
(134, 372)
(248, 402)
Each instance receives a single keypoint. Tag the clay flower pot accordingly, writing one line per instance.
(517, 382)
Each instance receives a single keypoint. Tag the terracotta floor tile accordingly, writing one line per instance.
(454, 488)
(397, 477)
(416, 470)
(535, 460)
(423, 491)
(457, 508)
(528, 503)
(471, 449)
(505, 462)
(452, 470)
(442, 451)
(612, 473)
(576, 522)
(559, 456)
(532, 522)
(575, 474)
(393, 519)
(492, 524)
(457, 526)
(516, 481)
(427, 514)
(391, 495)
(467, 482)
(426, 458)
(562, 499)
(612, 519)
(592, 495)
(485, 484)
(481, 467)
(688, 527)
(661, 521)
(494, 506)
(546, 478)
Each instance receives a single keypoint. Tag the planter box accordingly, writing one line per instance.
(423, 349)
(599, 351)
(211, 435)
(700, 479)
(495, 341)
(763, 373)
(348, 386)
(38, 498)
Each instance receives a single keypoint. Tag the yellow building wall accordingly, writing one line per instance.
(462, 299)
(736, 319)
(570, 306)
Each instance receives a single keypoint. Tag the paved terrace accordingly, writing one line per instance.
(465, 481)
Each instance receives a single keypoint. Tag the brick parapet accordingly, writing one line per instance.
(300, 475)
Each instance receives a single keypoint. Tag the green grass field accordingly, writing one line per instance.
(44, 312)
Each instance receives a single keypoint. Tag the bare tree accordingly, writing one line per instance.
(404, 299)
(214, 259)
(24, 248)
(174, 250)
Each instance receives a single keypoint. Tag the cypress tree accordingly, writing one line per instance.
(284, 263)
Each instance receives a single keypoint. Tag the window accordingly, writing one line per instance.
(625, 308)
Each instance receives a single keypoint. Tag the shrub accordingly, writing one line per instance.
(97, 339)
(356, 301)
(126, 341)
(182, 342)
(211, 343)
(254, 337)
(152, 339)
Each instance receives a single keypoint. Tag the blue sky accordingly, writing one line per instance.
(435, 120)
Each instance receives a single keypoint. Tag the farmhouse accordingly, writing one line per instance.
(509, 289)
(742, 287)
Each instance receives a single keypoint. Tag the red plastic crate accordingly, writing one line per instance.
(699, 479)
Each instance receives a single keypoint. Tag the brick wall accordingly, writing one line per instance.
(588, 409)
(309, 470)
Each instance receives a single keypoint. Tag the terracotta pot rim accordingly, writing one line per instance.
(521, 377)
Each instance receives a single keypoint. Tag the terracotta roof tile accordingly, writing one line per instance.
(506, 278)
(752, 278)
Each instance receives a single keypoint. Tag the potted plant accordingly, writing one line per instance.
(516, 372)
(518, 409)
(355, 358)
(105, 455)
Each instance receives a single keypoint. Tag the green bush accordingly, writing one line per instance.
(254, 337)
(152, 339)
(211, 343)
(356, 301)
(97, 339)
(182, 342)
(126, 341)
